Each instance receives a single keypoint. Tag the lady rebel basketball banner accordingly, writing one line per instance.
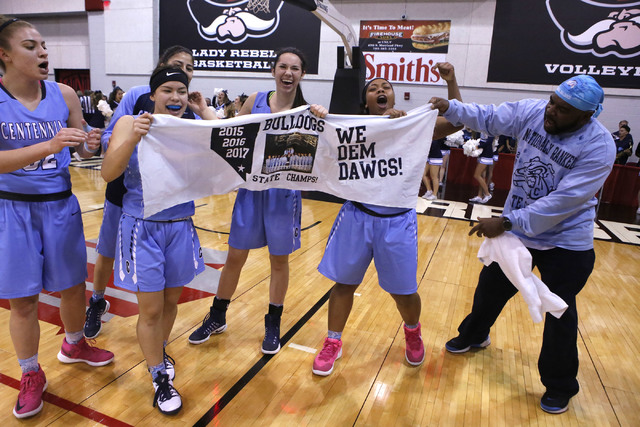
(370, 159)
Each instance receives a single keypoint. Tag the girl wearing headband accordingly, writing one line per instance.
(158, 255)
(43, 246)
(134, 102)
(388, 235)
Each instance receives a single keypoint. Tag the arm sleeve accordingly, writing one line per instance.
(491, 119)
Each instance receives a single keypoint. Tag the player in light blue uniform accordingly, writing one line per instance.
(134, 102)
(389, 236)
(564, 157)
(42, 243)
(158, 255)
(270, 217)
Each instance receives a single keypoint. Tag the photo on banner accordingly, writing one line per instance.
(238, 35)
(545, 42)
(404, 51)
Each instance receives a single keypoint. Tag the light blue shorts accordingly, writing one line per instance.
(357, 237)
(154, 255)
(42, 247)
(266, 218)
(108, 236)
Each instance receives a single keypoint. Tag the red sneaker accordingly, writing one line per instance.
(331, 351)
(414, 352)
(82, 351)
(32, 385)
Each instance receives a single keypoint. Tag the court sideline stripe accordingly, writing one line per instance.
(60, 402)
(257, 367)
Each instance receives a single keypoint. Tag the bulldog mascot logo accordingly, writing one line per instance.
(599, 27)
(235, 20)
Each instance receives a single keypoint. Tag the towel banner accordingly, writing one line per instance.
(370, 159)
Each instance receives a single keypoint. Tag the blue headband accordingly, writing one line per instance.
(582, 92)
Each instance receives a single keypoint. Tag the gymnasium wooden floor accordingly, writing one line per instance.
(228, 382)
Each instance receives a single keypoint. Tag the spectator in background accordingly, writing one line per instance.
(616, 134)
(432, 169)
(485, 159)
(506, 144)
(96, 119)
(224, 107)
(85, 103)
(239, 102)
(115, 97)
(624, 145)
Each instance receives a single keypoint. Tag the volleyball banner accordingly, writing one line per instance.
(369, 159)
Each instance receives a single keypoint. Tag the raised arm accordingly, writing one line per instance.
(447, 72)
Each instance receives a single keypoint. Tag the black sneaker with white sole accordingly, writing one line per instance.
(213, 323)
(93, 320)
(461, 345)
(554, 404)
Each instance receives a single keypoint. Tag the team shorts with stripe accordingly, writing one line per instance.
(485, 160)
(496, 157)
(108, 236)
(266, 218)
(357, 237)
(445, 152)
(154, 255)
(42, 247)
(437, 161)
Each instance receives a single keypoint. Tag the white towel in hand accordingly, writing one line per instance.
(515, 261)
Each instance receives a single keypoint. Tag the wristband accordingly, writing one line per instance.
(86, 148)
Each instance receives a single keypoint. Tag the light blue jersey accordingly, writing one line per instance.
(20, 128)
(555, 177)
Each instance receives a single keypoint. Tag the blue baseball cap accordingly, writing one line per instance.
(582, 92)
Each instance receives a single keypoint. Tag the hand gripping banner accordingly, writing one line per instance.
(370, 159)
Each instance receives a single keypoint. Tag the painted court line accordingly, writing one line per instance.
(302, 348)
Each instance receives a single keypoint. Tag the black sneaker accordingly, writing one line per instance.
(167, 397)
(213, 323)
(554, 404)
(460, 345)
(271, 342)
(93, 321)
(169, 365)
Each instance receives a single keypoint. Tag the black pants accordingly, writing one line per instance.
(565, 272)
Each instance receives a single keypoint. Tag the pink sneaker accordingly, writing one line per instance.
(84, 352)
(331, 351)
(414, 353)
(32, 385)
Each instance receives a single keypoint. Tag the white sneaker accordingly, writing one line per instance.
(169, 366)
(476, 199)
(486, 199)
(167, 397)
(429, 195)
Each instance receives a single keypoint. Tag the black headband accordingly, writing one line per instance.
(167, 75)
(366, 86)
(7, 23)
